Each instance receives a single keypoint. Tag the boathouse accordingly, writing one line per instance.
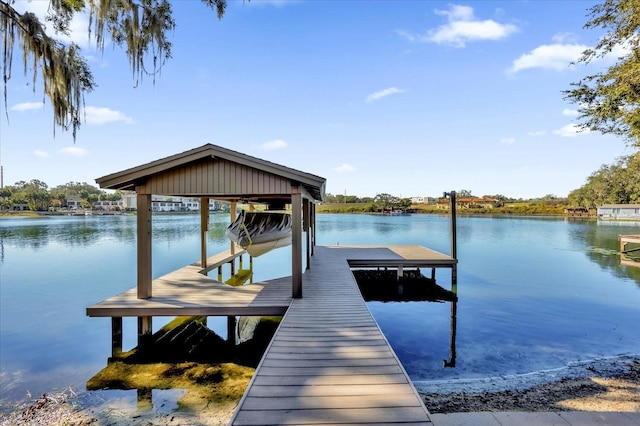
(328, 361)
(214, 172)
(619, 212)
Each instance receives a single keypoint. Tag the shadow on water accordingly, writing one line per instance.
(187, 366)
(387, 287)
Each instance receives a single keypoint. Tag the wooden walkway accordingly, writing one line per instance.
(329, 363)
(187, 291)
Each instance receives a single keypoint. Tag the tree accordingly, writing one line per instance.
(140, 27)
(611, 184)
(609, 102)
(35, 193)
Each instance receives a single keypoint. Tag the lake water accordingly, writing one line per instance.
(534, 293)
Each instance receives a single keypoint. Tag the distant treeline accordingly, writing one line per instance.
(617, 183)
(550, 208)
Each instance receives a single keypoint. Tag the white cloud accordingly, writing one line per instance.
(27, 106)
(382, 93)
(570, 112)
(344, 168)
(564, 38)
(78, 28)
(508, 140)
(95, 115)
(537, 133)
(570, 131)
(463, 27)
(74, 151)
(40, 153)
(274, 144)
(556, 57)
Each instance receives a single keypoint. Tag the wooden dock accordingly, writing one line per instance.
(328, 362)
(187, 291)
(629, 256)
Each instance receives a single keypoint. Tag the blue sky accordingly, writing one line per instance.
(411, 98)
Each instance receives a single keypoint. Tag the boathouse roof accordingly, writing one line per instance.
(219, 173)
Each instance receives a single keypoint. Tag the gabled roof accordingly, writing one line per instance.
(128, 179)
(620, 206)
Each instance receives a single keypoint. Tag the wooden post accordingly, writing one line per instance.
(204, 226)
(232, 213)
(231, 329)
(306, 216)
(313, 228)
(145, 331)
(116, 336)
(144, 246)
(451, 362)
(454, 243)
(296, 243)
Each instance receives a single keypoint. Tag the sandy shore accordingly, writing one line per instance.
(600, 391)
(606, 390)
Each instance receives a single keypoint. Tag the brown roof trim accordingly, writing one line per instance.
(126, 179)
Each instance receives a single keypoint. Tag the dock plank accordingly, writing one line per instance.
(328, 362)
(376, 415)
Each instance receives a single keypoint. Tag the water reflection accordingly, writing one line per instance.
(538, 293)
(189, 358)
(82, 232)
(603, 248)
(386, 287)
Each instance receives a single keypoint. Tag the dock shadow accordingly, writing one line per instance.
(384, 285)
(186, 355)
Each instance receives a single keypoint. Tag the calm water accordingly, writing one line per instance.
(534, 293)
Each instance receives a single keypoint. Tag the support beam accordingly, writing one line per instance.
(144, 246)
(313, 228)
(204, 226)
(454, 238)
(306, 225)
(145, 331)
(232, 213)
(116, 336)
(232, 323)
(296, 243)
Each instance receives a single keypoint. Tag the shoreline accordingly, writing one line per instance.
(605, 388)
(605, 367)
(606, 384)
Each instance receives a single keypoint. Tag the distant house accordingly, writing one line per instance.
(73, 202)
(619, 212)
(423, 200)
(108, 205)
(580, 212)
